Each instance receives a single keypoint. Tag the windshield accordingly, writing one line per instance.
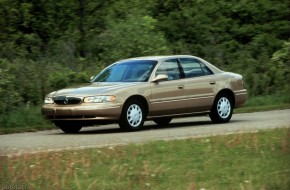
(127, 71)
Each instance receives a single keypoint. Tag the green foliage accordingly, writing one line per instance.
(47, 45)
(26, 82)
(279, 69)
(64, 78)
(265, 103)
(25, 118)
(134, 36)
(10, 96)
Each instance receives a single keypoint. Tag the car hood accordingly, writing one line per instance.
(93, 89)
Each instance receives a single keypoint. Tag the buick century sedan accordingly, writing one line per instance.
(157, 88)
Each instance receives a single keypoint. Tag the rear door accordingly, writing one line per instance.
(199, 86)
(169, 97)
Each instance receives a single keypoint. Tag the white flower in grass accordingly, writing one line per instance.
(148, 184)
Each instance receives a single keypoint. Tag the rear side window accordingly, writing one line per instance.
(194, 68)
(205, 69)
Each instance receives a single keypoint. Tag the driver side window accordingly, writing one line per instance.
(169, 68)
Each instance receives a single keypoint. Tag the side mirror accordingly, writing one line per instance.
(160, 78)
(91, 78)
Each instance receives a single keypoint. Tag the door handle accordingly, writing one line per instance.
(180, 86)
(212, 82)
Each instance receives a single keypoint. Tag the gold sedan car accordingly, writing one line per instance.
(156, 88)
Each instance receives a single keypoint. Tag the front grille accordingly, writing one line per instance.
(63, 100)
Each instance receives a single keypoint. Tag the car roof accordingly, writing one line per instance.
(161, 57)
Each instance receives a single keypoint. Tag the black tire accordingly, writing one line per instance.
(68, 127)
(133, 116)
(222, 109)
(162, 121)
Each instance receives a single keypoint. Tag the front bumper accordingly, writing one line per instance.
(82, 112)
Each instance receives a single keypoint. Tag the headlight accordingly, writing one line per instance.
(48, 100)
(99, 99)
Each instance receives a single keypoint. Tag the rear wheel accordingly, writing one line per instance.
(68, 127)
(133, 115)
(162, 121)
(222, 109)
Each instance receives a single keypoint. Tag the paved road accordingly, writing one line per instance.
(110, 135)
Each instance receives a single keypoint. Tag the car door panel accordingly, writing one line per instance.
(200, 92)
(168, 98)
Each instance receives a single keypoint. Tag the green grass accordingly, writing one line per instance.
(265, 103)
(246, 161)
(23, 120)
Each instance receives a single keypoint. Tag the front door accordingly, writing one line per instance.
(169, 97)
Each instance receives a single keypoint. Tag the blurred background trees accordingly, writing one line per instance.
(47, 45)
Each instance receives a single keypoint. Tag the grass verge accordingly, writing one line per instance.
(23, 120)
(265, 103)
(242, 161)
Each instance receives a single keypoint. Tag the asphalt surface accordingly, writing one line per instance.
(111, 135)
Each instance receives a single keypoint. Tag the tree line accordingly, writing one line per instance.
(47, 45)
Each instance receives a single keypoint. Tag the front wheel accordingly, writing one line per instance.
(222, 109)
(68, 127)
(133, 115)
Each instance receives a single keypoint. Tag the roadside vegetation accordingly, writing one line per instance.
(265, 103)
(245, 161)
(24, 119)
